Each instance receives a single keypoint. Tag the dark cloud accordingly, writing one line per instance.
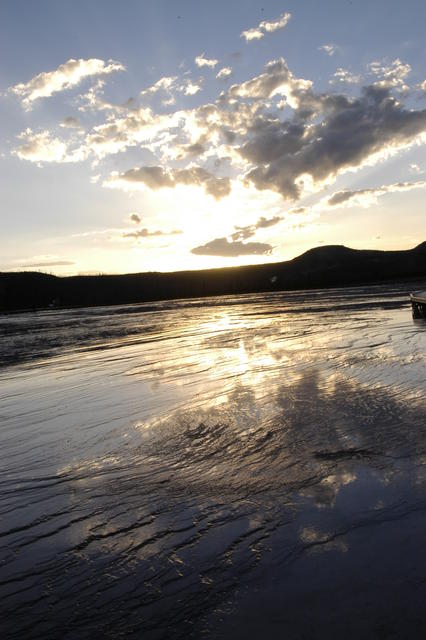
(263, 222)
(242, 233)
(362, 195)
(156, 177)
(71, 123)
(222, 247)
(341, 196)
(191, 150)
(350, 132)
(146, 233)
(135, 218)
(58, 263)
(217, 187)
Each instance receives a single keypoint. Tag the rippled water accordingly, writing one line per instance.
(234, 467)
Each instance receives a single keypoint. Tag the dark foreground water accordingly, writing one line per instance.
(248, 467)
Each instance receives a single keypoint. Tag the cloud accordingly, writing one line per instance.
(190, 88)
(367, 197)
(263, 222)
(242, 233)
(94, 101)
(163, 84)
(70, 123)
(252, 34)
(145, 233)
(226, 249)
(224, 73)
(350, 133)
(256, 33)
(192, 150)
(329, 49)
(67, 75)
(390, 76)
(42, 147)
(415, 168)
(155, 177)
(202, 61)
(171, 85)
(344, 76)
(277, 79)
(134, 217)
(291, 151)
(141, 127)
(50, 263)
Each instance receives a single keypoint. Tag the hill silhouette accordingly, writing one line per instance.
(328, 266)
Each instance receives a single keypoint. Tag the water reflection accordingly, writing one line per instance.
(203, 458)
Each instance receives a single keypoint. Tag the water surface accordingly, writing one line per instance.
(228, 467)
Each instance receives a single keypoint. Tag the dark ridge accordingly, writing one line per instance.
(329, 266)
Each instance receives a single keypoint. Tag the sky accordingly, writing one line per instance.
(169, 135)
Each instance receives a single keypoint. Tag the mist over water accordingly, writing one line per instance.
(224, 468)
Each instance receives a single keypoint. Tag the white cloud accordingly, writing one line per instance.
(171, 85)
(224, 73)
(256, 33)
(390, 76)
(345, 77)
(329, 49)
(163, 84)
(415, 168)
(42, 147)
(276, 80)
(136, 128)
(252, 34)
(67, 75)
(94, 101)
(202, 61)
(190, 88)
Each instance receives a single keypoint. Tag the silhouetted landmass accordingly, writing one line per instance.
(328, 266)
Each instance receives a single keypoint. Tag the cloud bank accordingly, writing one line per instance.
(272, 131)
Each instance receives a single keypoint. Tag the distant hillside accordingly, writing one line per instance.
(328, 266)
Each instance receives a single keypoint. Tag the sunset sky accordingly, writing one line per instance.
(170, 135)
